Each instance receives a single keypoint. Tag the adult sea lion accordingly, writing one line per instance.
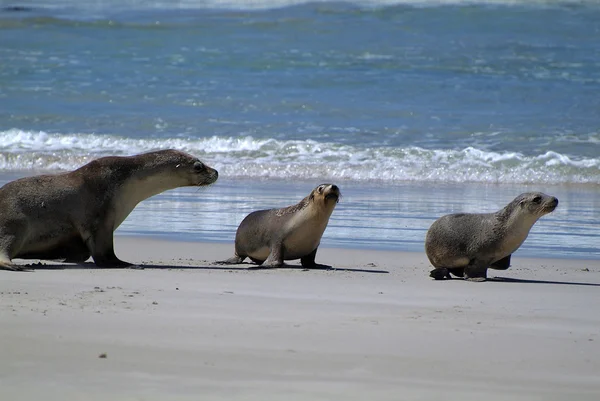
(268, 237)
(467, 244)
(72, 216)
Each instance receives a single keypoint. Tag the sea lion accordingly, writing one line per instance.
(268, 237)
(72, 216)
(467, 244)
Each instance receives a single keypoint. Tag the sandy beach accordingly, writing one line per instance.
(376, 328)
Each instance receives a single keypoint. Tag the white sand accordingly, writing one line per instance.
(214, 332)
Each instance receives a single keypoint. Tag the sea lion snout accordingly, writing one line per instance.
(203, 174)
(537, 203)
(540, 202)
(551, 204)
(212, 174)
(187, 169)
(329, 191)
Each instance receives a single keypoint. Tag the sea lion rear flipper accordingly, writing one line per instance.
(440, 273)
(235, 260)
(501, 264)
(14, 268)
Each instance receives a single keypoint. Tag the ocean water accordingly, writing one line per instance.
(414, 108)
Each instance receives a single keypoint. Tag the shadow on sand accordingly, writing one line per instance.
(524, 281)
(208, 266)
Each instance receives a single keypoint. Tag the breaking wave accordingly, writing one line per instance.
(303, 159)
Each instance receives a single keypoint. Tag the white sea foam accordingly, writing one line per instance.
(303, 159)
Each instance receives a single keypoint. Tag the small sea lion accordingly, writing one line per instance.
(467, 244)
(268, 237)
(72, 216)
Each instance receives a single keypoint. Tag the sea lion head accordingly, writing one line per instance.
(537, 203)
(327, 194)
(183, 167)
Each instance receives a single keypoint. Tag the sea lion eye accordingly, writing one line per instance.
(320, 189)
(537, 199)
(198, 166)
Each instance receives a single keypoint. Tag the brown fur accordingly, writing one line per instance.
(72, 216)
(467, 244)
(268, 237)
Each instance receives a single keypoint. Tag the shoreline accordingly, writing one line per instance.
(369, 216)
(155, 252)
(359, 248)
(338, 258)
(374, 328)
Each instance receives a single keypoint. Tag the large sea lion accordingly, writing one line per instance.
(72, 216)
(467, 244)
(268, 237)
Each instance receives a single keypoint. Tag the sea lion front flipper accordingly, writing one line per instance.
(102, 249)
(108, 261)
(501, 264)
(275, 258)
(457, 271)
(308, 261)
(76, 251)
(476, 271)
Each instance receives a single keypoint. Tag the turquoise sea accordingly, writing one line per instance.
(414, 108)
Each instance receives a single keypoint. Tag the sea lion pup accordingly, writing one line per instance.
(467, 244)
(72, 216)
(268, 237)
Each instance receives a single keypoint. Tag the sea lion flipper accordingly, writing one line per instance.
(103, 251)
(275, 258)
(234, 260)
(308, 261)
(440, 273)
(476, 271)
(99, 240)
(13, 268)
(457, 271)
(112, 263)
(501, 264)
